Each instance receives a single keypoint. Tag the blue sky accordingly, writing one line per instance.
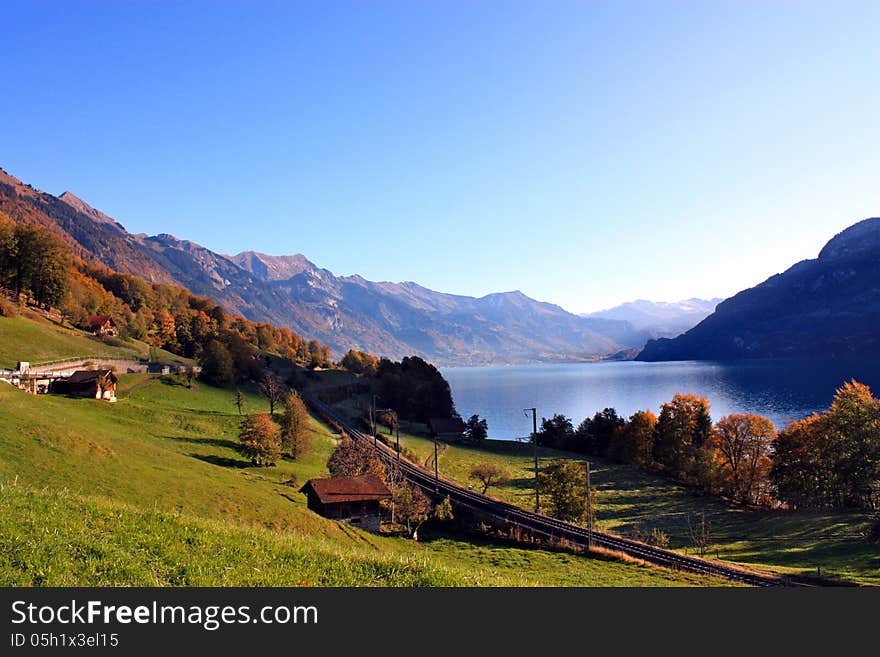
(586, 153)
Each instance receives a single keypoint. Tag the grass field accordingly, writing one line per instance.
(632, 502)
(152, 491)
(33, 338)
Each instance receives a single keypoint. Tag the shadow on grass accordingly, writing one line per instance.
(523, 483)
(216, 442)
(223, 461)
(174, 381)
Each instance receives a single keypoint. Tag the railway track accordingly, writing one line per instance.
(536, 523)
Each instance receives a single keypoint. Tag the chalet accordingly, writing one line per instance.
(450, 429)
(98, 384)
(102, 325)
(353, 499)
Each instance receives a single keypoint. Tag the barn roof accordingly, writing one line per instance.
(89, 376)
(347, 489)
(440, 425)
(100, 320)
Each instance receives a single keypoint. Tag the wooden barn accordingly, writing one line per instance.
(98, 384)
(102, 325)
(450, 429)
(353, 499)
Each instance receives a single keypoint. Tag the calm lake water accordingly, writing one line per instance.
(780, 390)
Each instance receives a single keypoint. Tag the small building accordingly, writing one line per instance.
(98, 384)
(102, 325)
(353, 499)
(450, 429)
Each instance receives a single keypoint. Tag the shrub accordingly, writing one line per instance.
(873, 534)
(7, 308)
(658, 538)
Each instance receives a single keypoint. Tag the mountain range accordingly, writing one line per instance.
(828, 306)
(662, 319)
(344, 312)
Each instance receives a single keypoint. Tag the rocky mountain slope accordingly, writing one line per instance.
(828, 306)
(391, 319)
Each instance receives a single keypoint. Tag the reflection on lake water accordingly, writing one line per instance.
(782, 390)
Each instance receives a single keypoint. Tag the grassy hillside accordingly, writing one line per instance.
(151, 490)
(31, 337)
(633, 502)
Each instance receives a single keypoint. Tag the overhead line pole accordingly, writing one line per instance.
(589, 510)
(373, 421)
(535, 445)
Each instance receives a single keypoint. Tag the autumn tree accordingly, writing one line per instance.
(352, 458)
(294, 427)
(273, 389)
(489, 474)
(476, 430)
(743, 444)
(633, 443)
(411, 507)
(360, 362)
(319, 355)
(852, 431)
(799, 473)
(259, 439)
(682, 430)
(832, 460)
(564, 483)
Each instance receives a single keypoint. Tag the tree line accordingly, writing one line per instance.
(37, 266)
(829, 460)
(34, 263)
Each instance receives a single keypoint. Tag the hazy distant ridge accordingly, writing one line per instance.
(661, 318)
(391, 319)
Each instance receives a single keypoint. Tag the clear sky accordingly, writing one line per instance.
(586, 153)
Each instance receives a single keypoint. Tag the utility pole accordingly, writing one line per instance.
(535, 445)
(589, 511)
(373, 421)
(436, 469)
(397, 428)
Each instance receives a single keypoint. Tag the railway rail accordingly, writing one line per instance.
(536, 523)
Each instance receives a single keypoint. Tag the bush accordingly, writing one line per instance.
(658, 538)
(873, 534)
(7, 308)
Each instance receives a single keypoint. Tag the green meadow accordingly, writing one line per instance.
(151, 490)
(32, 337)
(632, 502)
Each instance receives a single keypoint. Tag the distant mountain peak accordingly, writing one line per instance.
(273, 268)
(80, 205)
(661, 318)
